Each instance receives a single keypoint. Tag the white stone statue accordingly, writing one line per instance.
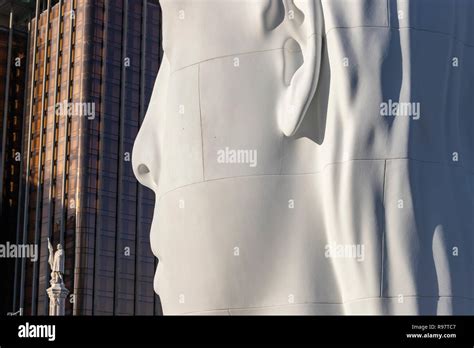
(57, 292)
(56, 263)
(313, 157)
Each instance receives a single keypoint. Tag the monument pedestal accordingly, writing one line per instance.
(57, 296)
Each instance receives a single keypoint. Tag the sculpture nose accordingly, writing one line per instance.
(144, 160)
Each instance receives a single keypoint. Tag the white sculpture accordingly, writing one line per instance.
(57, 292)
(56, 262)
(312, 157)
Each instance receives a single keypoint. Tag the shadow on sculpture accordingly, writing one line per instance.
(313, 125)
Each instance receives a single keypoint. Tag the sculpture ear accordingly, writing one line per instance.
(306, 29)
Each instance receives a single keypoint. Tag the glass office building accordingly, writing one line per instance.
(14, 18)
(91, 70)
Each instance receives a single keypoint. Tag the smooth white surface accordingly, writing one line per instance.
(270, 76)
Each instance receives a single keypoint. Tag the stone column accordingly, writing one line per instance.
(57, 296)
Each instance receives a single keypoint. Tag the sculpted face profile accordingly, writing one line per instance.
(312, 157)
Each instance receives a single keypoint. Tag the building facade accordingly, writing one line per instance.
(91, 70)
(14, 17)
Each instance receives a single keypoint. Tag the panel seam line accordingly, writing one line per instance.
(383, 229)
